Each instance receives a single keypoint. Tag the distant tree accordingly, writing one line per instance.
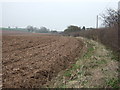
(30, 28)
(72, 28)
(35, 29)
(44, 30)
(111, 17)
(54, 31)
(83, 28)
(16, 27)
(9, 27)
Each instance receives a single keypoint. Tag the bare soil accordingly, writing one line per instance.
(32, 60)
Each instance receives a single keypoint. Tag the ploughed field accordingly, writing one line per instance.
(32, 60)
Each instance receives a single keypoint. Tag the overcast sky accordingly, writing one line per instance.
(56, 15)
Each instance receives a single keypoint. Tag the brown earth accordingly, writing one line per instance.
(31, 60)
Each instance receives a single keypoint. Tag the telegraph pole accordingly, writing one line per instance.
(97, 22)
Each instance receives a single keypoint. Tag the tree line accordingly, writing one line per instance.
(30, 29)
(40, 30)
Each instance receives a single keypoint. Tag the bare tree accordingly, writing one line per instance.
(111, 17)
